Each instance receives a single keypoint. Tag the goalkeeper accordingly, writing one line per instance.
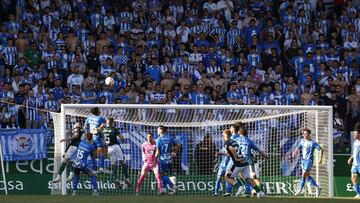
(70, 152)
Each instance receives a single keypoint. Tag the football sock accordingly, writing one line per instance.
(102, 161)
(302, 183)
(217, 185)
(124, 170)
(312, 181)
(93, 182)
(356, 188)
(62, 168)
(76, 182)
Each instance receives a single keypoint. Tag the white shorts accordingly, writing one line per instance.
(71, 152)
(254, 170)
(244, 171)
(116, 153)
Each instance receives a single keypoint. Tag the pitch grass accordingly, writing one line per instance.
(165, 199)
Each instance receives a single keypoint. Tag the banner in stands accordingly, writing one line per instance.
(23, 144)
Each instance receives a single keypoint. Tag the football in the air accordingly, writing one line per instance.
(109, 81)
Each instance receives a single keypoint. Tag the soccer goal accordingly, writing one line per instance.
(275, 129)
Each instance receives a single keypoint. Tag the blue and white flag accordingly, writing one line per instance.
(23, 144)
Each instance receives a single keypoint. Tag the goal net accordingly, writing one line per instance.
(275, 129)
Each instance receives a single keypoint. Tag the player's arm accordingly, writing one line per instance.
(73, 137)
(176, 147)
(321, 153)
(143, 153)
(293, 155)
(158, 147)
(254, 147)
(350, 160)
(119, 135)
(233, 151)
(86, 124)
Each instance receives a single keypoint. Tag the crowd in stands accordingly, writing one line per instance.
(265, 52)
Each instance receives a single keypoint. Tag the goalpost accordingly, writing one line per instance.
(3, 175)
(275, 129)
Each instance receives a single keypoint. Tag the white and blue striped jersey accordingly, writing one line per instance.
(13, 26)
(31, 104)
(253, 59)
(96, 19)
(82, 34)
(10, 55)
(51, 106)
(232, 34)
(46, 21)
(124, 26)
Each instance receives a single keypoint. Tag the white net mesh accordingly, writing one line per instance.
(199, 130)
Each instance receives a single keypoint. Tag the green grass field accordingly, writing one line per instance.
(168, 199)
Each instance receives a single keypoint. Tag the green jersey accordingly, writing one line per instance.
(110, 135)
(235, 145)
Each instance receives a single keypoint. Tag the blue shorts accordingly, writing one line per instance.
(80, 167)
(221, 171)
(355, 169)
(99, 142)
(85, 170)
(307, 164)
(164, 167)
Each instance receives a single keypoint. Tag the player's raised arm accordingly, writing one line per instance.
(75, 134)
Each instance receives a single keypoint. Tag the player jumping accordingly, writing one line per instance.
(355, 161)
(70, 152)
(164, 144)
(93, 124)
(308, 146)
(111, 135)
(148, 150)
(86, 149)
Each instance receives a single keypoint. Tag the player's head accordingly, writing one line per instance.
(76, 128)
(226, 134)
(110, 122)
(95, 111)
(150, 137)
(357, 134)
(307, 133)
(89, 136)
(234, 128)
(242, 129)
(161, 130)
